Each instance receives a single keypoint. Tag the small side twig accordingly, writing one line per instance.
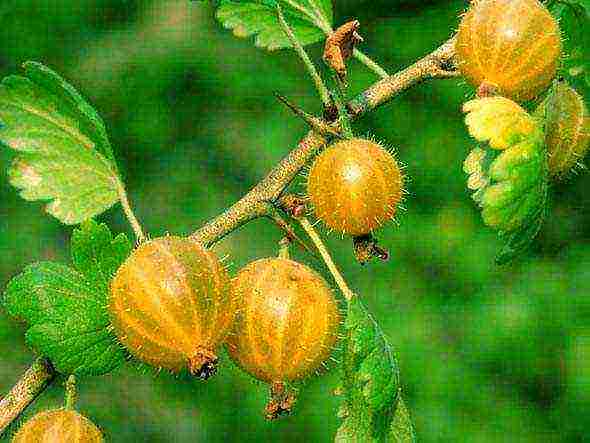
(314, 122)
(31, 384)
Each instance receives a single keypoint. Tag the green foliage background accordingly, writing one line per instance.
(487, 353)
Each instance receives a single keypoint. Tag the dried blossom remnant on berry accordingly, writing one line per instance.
(281, 401)
(340, 46)
(366, 248)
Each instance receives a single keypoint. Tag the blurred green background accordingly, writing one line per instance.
(487, 353)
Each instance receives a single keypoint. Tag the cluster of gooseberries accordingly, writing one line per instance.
(512, 48)
(172, 303)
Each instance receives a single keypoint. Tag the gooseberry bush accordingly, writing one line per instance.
(169, 303)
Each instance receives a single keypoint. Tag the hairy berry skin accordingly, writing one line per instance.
(171, 305)
(567, 129)
(513, 46)
(288, 322)
(58, 426)
(355, 186)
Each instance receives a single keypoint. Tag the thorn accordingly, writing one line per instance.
(291, 235)
(316, 123)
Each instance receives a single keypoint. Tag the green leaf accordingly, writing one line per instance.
(370, 381)
(402, 430)
(574, 22)
(259, 18)
(63, 153)
(97, 255)
(65, 307)
(511, 187)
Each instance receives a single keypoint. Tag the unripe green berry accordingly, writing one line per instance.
(567, 128)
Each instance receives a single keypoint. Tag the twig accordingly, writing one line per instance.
(319, 244)
(124, 199)
(31, 384)
(438, 64)
(314, 122)
(311, 69)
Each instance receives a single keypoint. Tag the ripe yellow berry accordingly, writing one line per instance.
(355, 186)
(287, 325)
(171, 305)
(512, 46)
(567, 128)
(58, 426)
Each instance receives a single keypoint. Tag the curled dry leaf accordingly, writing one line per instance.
(340, 46)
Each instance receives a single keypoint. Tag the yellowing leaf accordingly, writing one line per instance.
(510, 186)
(498, 121)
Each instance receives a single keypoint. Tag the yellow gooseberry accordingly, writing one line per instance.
(510, 46)
(58, 426)
(355, 186)
(286, 327)
(171, 305)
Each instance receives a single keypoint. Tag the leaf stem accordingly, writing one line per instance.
(369, 63)
(30, 385)
(124, 199)
(71, 394)
(311, 69)
(343, 115)
(323, 23)
(321, 247)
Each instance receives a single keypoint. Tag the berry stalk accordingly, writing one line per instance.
(319, 244)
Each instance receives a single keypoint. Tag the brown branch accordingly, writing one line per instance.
(438, 64)
(31, 384)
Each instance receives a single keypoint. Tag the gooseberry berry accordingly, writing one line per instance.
(286, 327)
(355, 186)
(510, 46)
(567, 128)
(171, 305)
(58, 426)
